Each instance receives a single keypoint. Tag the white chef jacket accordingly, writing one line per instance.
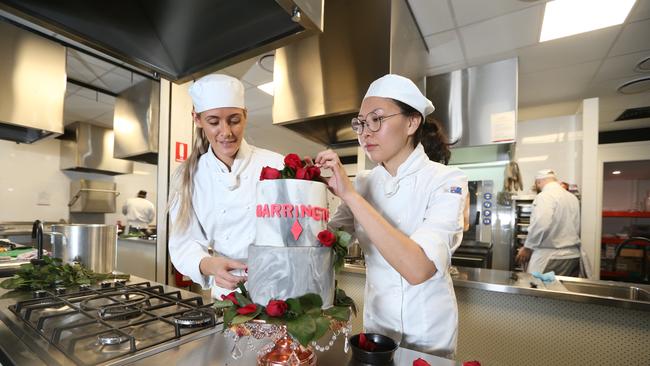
(139, 212)
(554, 227)
(425, 200)
(223, 215)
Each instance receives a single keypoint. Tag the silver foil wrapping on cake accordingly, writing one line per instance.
(290, 212)
(284, 272)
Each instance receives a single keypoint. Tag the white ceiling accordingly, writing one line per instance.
(554, 76)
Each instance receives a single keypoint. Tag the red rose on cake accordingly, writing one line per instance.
(293, 161)
(308, 173)
(248, 309)
(276, 308)
(231, 297)
(327, 238)
(270, 173)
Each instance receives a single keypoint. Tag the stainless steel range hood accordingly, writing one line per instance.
(32, 85)
(180, 40)
(135, 122)
(320, 81)
(89, 148)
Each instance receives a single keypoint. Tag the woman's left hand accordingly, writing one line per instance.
(338, 183)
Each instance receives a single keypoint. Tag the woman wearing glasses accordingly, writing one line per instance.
(407, 214)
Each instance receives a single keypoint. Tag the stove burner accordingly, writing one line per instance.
(84, 287)
(129, 307)
(111, 338)
(106, 284)
(60, 290)
(39, 294)
(194, 318)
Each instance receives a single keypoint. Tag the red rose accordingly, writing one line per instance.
(248, 309)
(471, 363)
(421, 362)
(270, 173)
(327, 238)
(293, 161)
(366, 344)
(276, 308)
(231, 297)
(313, 172)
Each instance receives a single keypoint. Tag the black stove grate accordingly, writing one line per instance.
(96, 325)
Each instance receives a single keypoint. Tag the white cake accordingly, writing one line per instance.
(287, 260)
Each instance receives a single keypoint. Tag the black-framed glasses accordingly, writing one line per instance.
(373, 122)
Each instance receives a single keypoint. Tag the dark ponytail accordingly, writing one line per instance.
(430, 134)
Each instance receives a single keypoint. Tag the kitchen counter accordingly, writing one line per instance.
(21, 345)
(591, 291)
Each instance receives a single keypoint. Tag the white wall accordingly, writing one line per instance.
(32, 185)
(550, 143)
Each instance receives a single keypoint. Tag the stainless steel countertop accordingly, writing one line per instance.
(519, 283)
(21, 345)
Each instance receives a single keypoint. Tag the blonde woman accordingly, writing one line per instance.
(407, 214)
(212, 201)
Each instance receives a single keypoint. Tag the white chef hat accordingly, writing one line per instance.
(400, 88)
(217, 91)
(545, 173)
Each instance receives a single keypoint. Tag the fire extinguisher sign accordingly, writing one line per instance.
(181, 151)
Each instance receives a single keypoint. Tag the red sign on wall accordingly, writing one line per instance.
(181, 151)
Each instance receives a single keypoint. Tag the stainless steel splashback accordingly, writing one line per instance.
(32, 85)
(478, 105)
(92, 196)
(320, 81)
(135, 122)
(89, 148)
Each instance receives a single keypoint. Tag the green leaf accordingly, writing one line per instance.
(338, 312)
(228, 315)
(242, 300)
(294, 306)
(243, 290)
(322, 326)
(220, 304)
(343, 238)
(302, 328)
(310, 301)
(239, 318)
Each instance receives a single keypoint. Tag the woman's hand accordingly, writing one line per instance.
(220, 268)
(338, 183)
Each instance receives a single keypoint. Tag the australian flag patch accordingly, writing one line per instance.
(457, 190)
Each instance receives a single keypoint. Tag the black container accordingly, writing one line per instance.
(386, 347)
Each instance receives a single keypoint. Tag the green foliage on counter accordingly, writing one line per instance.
(303, 316)
(53, 273)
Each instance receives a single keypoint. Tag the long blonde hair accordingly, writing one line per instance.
(183, 181)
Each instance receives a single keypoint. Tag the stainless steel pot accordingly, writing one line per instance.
(92, 245)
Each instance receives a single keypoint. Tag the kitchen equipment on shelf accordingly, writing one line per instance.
(522, 207)
(93, 245)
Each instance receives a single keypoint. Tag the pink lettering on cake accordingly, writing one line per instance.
(292, 211)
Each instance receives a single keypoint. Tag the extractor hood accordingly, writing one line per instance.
(32, 85)
(89, 148)
(135, 122)
(178, 39)
(320, 81)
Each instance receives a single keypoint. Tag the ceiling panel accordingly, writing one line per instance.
(504, 33)
(640, 11)
(555, 85)
(444, 49)
(113, 82)
(470, 11)
(432, 16)
(621, 66)
(256, 99)
(567, 51)
(634, 38)
(76, 70)
(257, 76)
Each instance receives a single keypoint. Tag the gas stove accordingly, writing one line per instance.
(111, 322)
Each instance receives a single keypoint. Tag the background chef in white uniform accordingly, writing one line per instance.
(212, 202)
(139, 212)
(407, 214)
(553, 241)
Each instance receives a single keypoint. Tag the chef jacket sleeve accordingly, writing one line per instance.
(540, 221)
(188, 248)
(441, 230)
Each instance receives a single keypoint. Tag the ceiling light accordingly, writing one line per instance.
(563, 18)
(267, 88)
(616, 172)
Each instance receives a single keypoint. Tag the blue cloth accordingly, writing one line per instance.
(546, 277)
